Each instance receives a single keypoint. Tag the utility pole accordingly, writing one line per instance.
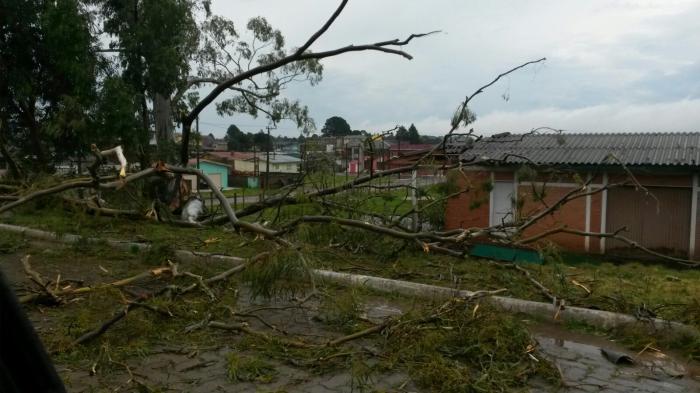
(398, 154)
(345, 152)
(199, 139)
(267, 161)
(256, 171)
(414, 201)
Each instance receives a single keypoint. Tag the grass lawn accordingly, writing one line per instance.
(229, 193)
(628, 287)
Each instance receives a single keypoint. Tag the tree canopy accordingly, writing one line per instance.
(237, 140)
(48, 67)
(76, 72)
(409, 135)
(336, 126)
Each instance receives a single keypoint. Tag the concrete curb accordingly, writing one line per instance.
(604, 319)
(599, 318)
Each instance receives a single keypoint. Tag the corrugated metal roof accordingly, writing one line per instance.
(678, 149)
(193, 161)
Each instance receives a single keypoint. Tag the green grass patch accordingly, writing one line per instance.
(244, 368)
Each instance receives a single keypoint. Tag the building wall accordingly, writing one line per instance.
(695, 244)
(573, 216)
(248, 166)
(244, 166)
(209, 168)
(659, 220)
(472, 209)
(284, 167)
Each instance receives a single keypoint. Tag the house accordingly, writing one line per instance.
(511, 175)
(397, 150)
(238, 160)
(358, 154)
(289, 147)
(256, 162)
(212, 143)
(349, 153)
(248, 169)
(218, 172)
(404, 154)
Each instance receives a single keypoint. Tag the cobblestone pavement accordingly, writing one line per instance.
(201, 369)
(585, 369)
(208, 372)
(578, 356)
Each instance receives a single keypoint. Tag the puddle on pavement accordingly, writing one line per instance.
(653, 364)
(379, 311)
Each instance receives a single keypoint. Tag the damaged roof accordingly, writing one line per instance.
(663, 149)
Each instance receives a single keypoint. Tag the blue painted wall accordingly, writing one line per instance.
(209, 167)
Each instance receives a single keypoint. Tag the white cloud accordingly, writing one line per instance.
(602, 54)
(676, 116)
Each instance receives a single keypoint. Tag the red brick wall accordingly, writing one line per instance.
(673, 180)
(470, 209)
(503, 176)
(697, 231)
(573, 215)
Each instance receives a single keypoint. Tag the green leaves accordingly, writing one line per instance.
(336, 126)
(224, 53)
(463, 116)
(47, 79)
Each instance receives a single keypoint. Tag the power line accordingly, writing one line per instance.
(225, 125)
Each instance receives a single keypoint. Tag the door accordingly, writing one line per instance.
(502, 198)
(660, 221)
(216, 179)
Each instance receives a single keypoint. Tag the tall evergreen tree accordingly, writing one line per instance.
(237, 140)
(413, 135)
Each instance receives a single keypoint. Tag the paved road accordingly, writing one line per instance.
(584, 369)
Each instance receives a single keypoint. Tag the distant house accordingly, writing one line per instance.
(405, 154)
(249, 169)
(218, 172)
(517, 174)
(211, 143)
(397, 150)
(289, 147)
(236, 159)
(279, 163)
(351, 153)
(256, 163)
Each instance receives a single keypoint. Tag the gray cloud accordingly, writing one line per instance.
(614, 60)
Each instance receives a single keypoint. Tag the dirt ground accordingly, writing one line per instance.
(195, 363)
(155, 353)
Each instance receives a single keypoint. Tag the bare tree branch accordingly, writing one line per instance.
(300, 54)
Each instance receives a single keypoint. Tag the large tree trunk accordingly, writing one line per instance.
(37, 147)
(162, 113)
(163, 119)
(144, 155)
(185, 147)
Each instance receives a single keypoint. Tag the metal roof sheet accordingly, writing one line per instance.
(674, 149)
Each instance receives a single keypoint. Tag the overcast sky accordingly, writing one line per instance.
(613, 65)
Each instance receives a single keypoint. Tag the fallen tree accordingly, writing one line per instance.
(599, 318)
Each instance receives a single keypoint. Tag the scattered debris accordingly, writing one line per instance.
(617, 357)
